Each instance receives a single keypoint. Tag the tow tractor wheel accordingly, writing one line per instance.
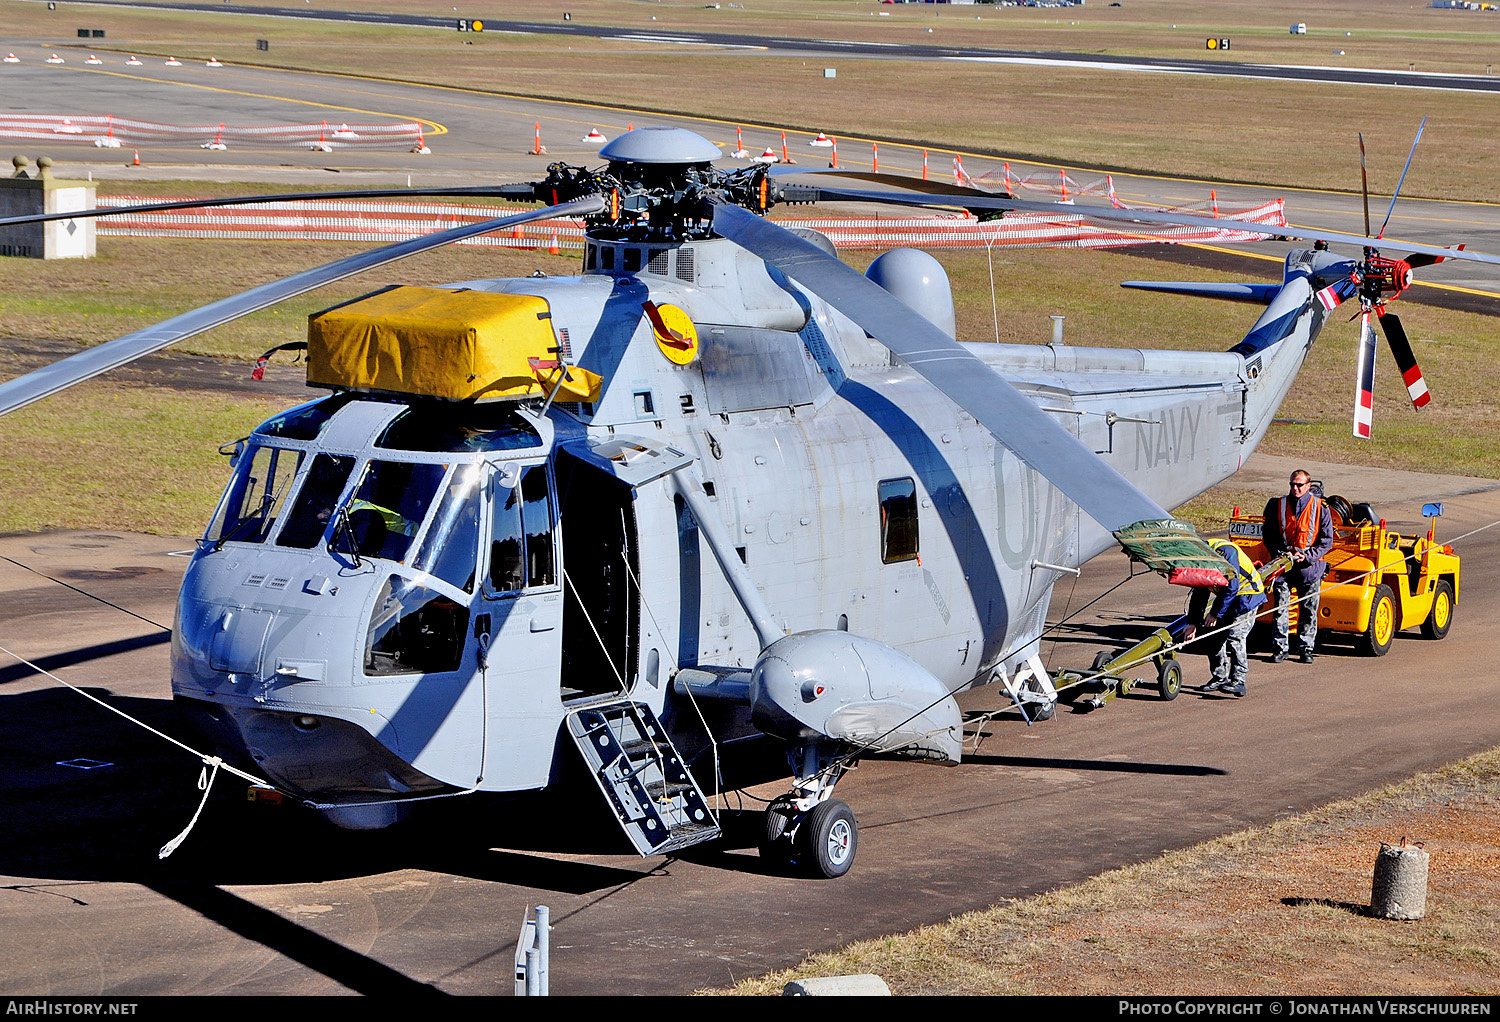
(828, 839)
(1381, 631)
(1168, 678)
(1441, 618)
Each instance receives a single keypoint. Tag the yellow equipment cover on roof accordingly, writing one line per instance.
(460, 345)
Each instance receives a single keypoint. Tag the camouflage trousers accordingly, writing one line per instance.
(1307, 612)
(1228, 657)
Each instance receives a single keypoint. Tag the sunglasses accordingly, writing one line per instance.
(1300, 486)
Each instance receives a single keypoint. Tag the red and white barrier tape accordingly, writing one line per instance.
(108, 131)
(377, 221)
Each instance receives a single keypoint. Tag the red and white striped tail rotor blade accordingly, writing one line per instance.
(1364, 379)
(1406, 359)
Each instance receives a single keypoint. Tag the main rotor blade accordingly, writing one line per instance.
(1406, 359)
(92, 361)
(493, 191)
(1417, 261)
(1364, 378)
(1016, 421)
(1128, 216)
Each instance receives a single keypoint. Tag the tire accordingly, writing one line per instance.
(1380, 632)
(828, 839)
(1168, 678)
(1101, 658)
(1440, 619)
(774, 845)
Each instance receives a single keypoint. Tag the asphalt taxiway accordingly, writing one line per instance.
(267, 900)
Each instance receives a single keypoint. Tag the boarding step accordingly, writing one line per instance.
(654, 797)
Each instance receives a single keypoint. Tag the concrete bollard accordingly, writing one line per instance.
(1400, 887)
(863, 985)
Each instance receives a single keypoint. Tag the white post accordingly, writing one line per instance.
(543, 944)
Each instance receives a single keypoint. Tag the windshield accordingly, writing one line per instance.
(317, 500)
(255, 494)
(450, 550)
(390, 505)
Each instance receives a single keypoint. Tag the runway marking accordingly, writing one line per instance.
(437, 129)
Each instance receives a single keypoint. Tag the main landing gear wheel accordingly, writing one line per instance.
(1381, 631)
(1168, 679)
(774, 845)
(1441, 618)
(827, 839)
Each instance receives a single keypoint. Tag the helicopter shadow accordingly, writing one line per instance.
(87, 654)
(91, 796)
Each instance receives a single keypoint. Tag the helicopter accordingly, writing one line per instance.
(718, 488)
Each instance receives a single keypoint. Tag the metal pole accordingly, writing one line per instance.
(543, 943)
(533, 982)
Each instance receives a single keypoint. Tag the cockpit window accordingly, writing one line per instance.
(317, 500)
(450, 550)
(304, 422)
(450, 431)
(414, 629)
(392, 500)
(253, 500)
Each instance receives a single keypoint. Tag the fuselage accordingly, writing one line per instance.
(400, 596)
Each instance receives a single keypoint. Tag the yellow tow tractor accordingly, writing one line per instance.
(1379, 582)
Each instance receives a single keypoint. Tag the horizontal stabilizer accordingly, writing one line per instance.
(1257, 294)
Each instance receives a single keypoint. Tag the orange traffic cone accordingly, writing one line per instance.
(136, 162)
(553, 249)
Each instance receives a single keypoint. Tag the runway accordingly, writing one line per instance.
(1381, 77)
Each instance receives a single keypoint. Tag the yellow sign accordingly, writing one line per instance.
(675, 334)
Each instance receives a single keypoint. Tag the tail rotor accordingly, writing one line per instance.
(1380, 280)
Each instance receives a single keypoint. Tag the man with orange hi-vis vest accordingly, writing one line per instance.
(1298, 524)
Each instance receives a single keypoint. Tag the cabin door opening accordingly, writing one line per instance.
(601, 603)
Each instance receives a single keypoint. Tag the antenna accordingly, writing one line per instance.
(1403, 179)
(1364, 182)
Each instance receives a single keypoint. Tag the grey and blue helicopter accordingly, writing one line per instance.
(717, 488)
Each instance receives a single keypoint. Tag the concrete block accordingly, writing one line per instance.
(863, 985)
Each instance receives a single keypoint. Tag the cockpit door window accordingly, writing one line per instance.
(522, 551)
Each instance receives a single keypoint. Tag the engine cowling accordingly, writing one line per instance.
(857, 690)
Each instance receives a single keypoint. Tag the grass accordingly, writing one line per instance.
(134, 282)
(1273, 133)
(125, 458)
(1274, 910)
